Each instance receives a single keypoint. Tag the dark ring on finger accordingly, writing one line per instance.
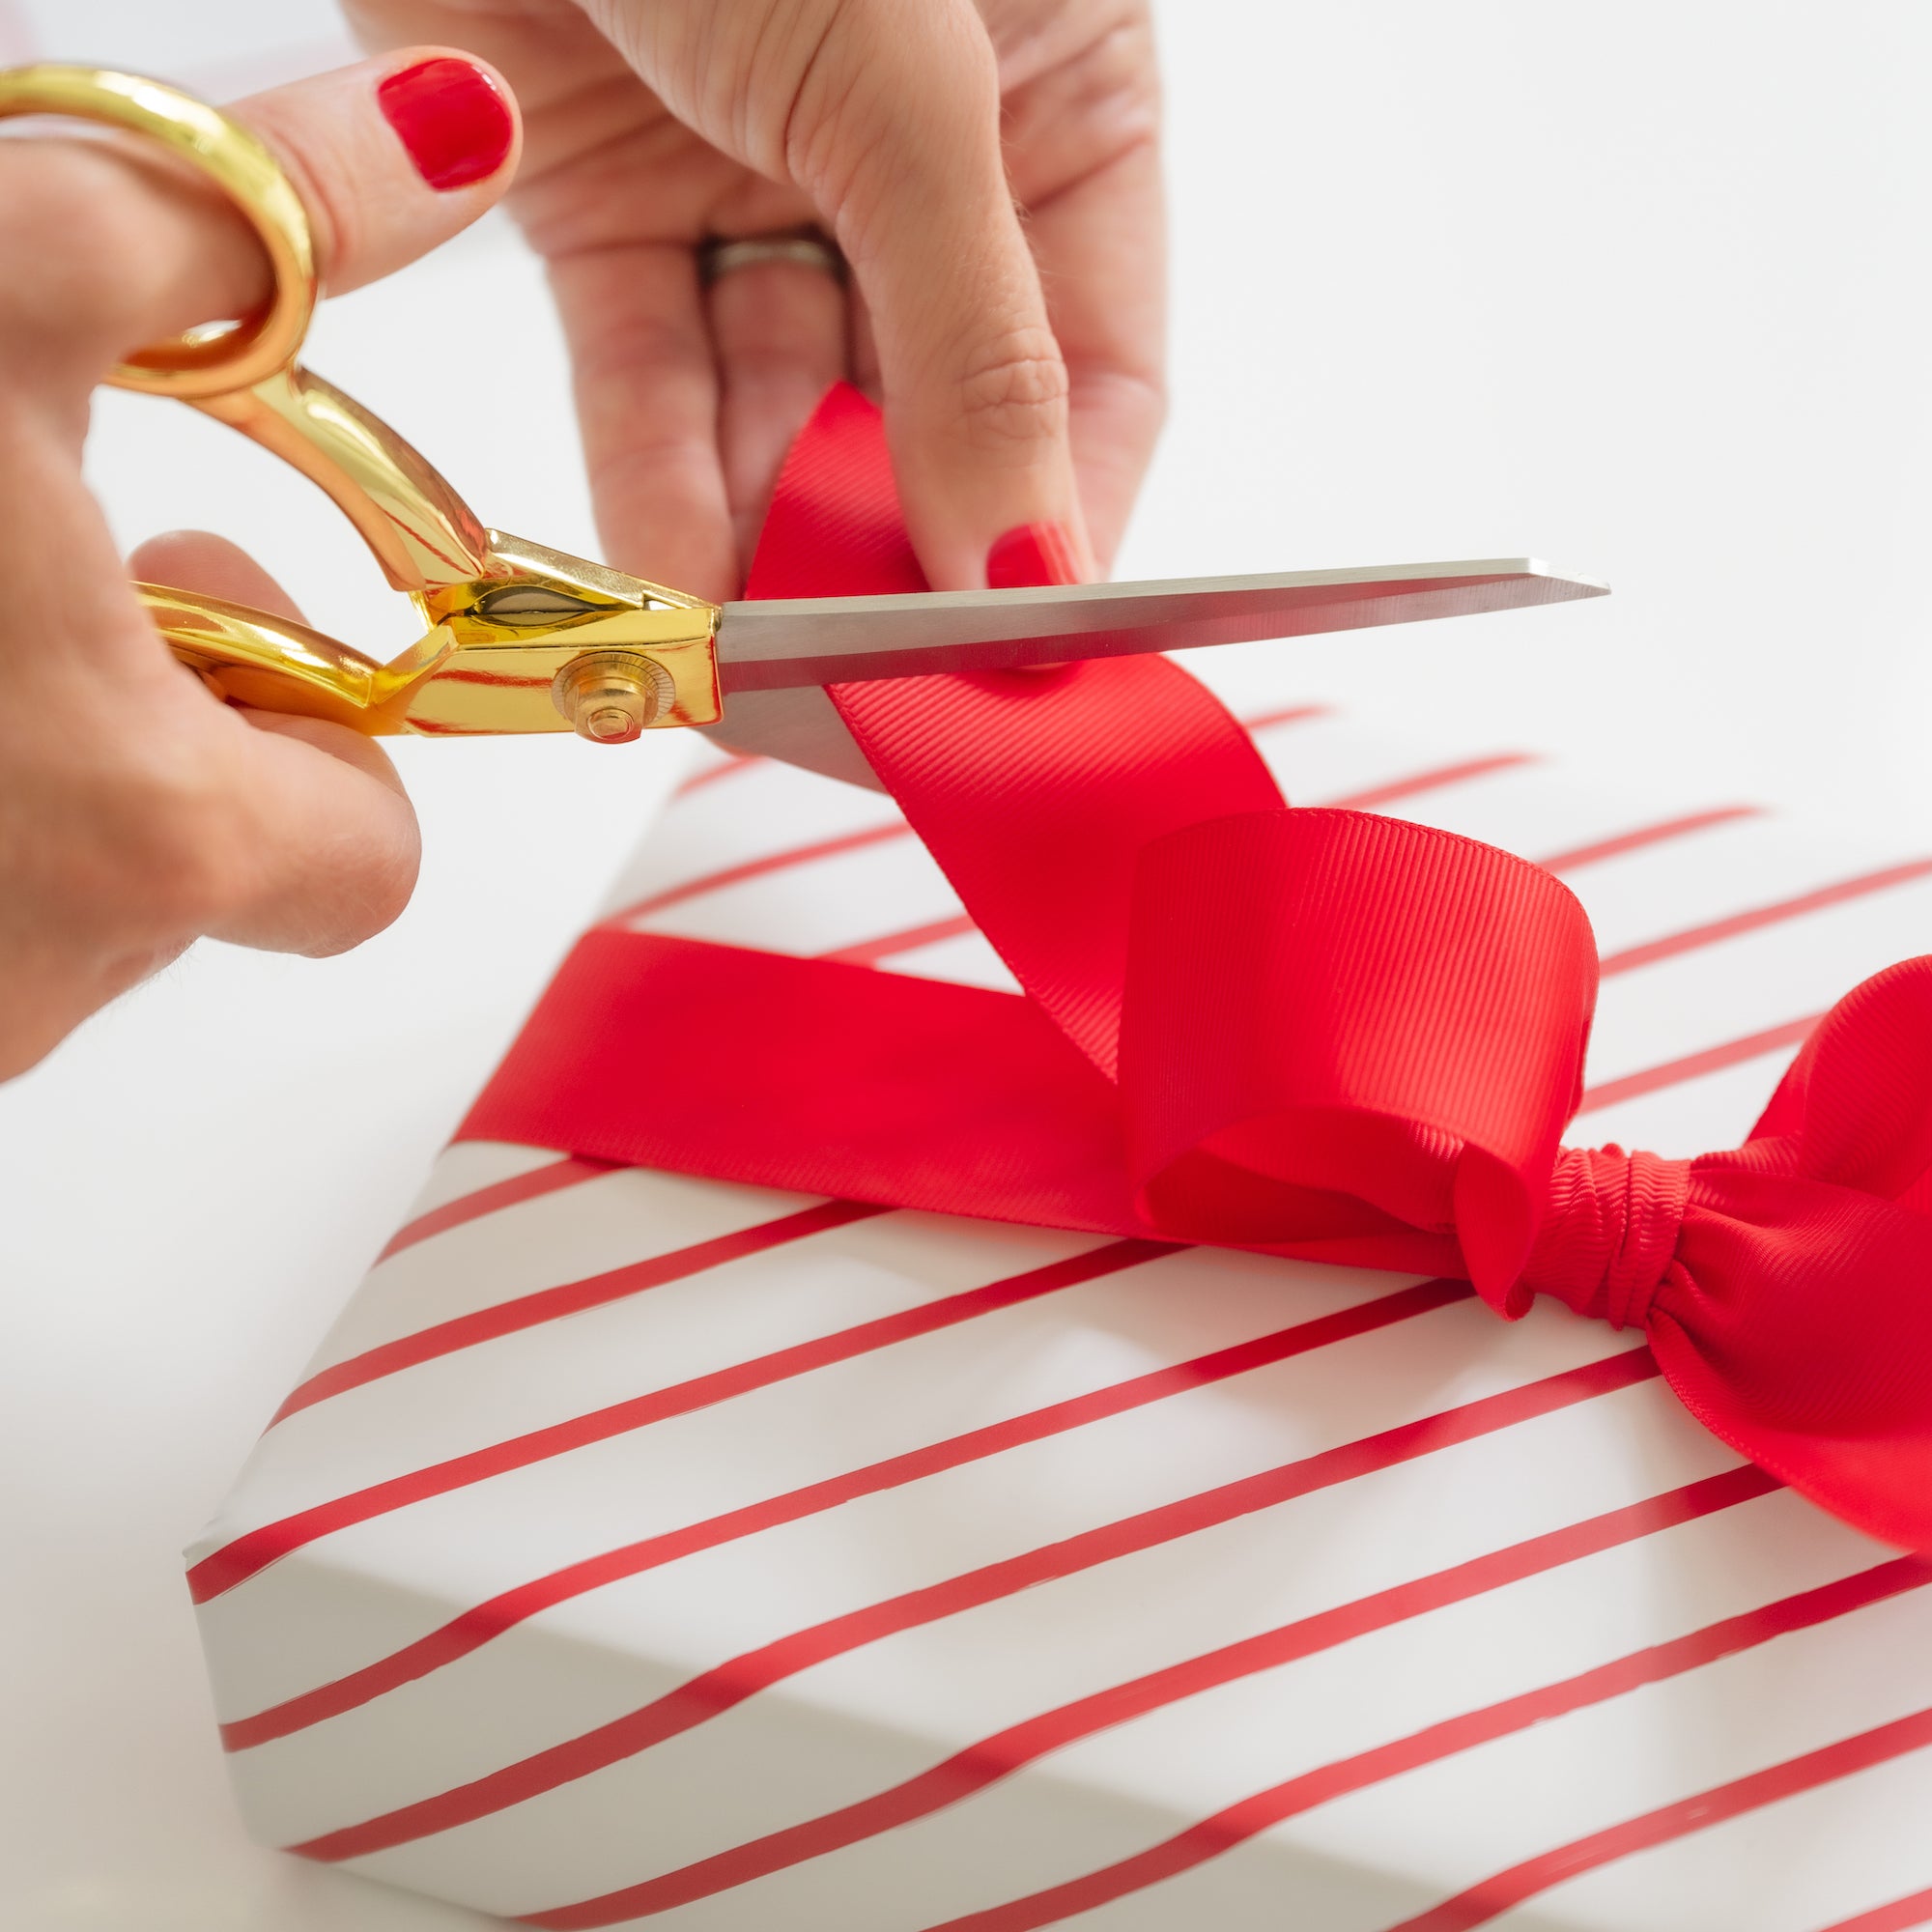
(802, 247)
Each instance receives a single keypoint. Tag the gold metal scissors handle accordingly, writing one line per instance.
(519, 638)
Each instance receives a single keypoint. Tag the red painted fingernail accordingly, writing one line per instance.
(453, 119)
(1032, 555)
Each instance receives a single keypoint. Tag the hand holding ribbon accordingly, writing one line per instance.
(1313, 1033)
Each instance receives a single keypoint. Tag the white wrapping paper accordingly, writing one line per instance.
(742, 1563)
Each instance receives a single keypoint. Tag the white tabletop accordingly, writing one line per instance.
(1641, 290)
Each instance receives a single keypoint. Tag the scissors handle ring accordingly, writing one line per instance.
(519, 638)
(203, 363)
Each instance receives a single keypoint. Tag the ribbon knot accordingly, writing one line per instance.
(1313, 1033)
(1610, 1233)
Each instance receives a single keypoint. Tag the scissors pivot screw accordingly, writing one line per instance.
(610, 696)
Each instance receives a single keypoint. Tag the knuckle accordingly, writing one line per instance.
(1111, 86)
(181, 852)
(1012, 396)
(125, 831)
(1137, 398)
(888, 101)
(326, 183)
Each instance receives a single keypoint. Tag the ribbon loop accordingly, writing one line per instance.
(1857, 1105)
(1338, 1025)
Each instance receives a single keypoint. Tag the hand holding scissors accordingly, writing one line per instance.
(136, 813)
(522, 638)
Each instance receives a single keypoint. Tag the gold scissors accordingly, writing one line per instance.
(521, 639)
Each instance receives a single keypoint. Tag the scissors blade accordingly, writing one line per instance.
(784, 642)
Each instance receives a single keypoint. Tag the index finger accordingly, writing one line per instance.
(1083, 148)
(906, 103)
(1101, 246)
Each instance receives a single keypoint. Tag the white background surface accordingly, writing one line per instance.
(1639, 289)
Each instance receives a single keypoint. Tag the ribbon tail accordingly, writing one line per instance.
(815, 1077)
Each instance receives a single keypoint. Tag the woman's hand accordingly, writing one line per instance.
(1018, 352)
(138, 811)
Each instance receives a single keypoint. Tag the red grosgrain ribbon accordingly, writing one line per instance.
(1313, 1033)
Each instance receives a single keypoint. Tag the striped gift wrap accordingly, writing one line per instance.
(643, 1549)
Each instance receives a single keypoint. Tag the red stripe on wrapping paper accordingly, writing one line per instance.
(487, 1621)
(254, 1550)
(850, 842)
(446, 1338)
(1760, 917)
(1734, 1052)
(1711, 1060)
(757, 868)
(1669, 1822)
(720, 1689)
(1430, 781)
(1609, 1093)
(1900, 1916)
(1006, 1751)
(526, 1186)
(1646, 834)
(1291, 713)
(1629, 1087)
(870, 952)
(1251, 1816)
(570, 1298)
(734, 761)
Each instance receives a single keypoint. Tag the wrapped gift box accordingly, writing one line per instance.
(640, 1546)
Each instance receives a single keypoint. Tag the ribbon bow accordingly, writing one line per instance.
(1321, 1034)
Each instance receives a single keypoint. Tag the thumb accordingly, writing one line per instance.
(390, 156)
(393, 155)
(974, 385)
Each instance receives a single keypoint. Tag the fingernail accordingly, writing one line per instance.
(1030, 555)
(451, 116)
